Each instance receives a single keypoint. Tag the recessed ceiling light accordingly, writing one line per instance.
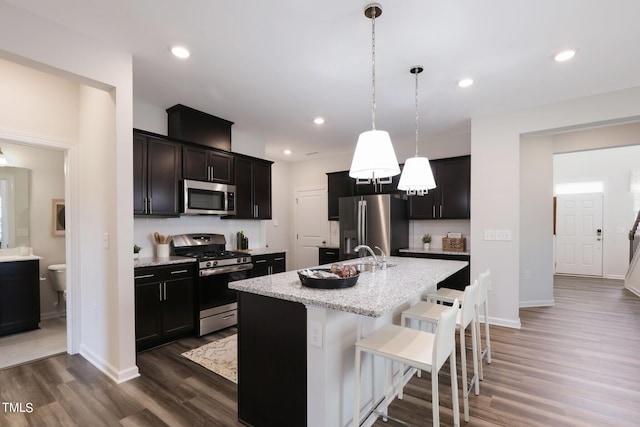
(180, 52)
(565, 55)
(465, 82)
(287, 152)
(318, 120)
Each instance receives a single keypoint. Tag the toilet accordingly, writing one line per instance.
(58, 278)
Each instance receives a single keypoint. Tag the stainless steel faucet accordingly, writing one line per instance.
(382, 263)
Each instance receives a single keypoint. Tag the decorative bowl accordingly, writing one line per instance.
(327, 283)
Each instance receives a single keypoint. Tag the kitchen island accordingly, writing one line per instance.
(296, 344)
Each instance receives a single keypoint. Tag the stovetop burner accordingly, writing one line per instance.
(208, 249)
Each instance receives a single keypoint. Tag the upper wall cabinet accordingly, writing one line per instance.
(207, 165)
(198, 127)
(156, 171)
(253, 188)
(451, 199)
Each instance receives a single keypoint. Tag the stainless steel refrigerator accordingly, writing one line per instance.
(374, 220)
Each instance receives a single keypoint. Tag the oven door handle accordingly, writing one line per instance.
(225, 269)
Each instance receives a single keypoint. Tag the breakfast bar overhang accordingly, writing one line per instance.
(296, 345)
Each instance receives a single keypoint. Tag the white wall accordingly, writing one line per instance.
(46, 183)
(536, 214)
(613, 166)
(495, 184)
(101, 309)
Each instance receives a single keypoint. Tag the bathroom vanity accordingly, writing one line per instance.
(19, 294)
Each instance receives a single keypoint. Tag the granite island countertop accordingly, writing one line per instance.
(374, 295)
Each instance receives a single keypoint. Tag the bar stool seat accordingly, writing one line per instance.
(430, 313)
(422, 350)
(446, 295)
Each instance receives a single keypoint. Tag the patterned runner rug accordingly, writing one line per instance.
(219, 356)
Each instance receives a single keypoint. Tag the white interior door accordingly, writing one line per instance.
(311, 225)
(579, 234)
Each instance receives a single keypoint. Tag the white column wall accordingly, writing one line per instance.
(106, 281)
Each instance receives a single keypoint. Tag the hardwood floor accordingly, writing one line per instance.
(573, 364)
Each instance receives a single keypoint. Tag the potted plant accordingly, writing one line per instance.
(136, 251)
(426, 241)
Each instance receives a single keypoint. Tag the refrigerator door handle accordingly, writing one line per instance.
(358, 225)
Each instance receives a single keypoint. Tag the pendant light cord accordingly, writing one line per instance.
(416, 114)
(373, 70)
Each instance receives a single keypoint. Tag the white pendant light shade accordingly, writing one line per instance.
(417, 177)
(374, 157)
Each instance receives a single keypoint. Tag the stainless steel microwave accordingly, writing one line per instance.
(208, 198)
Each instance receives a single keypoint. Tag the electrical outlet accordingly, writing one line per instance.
(489, 234)
(503, 234)
(315, 334)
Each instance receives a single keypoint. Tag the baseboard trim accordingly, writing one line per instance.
(117, 376)
(538, 303)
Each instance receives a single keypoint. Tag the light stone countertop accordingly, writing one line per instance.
(375, 293)
(155, 261)
(265, 251)
(11, 258)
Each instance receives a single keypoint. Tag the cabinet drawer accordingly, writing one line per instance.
(145, 275)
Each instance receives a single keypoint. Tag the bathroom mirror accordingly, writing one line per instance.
(14, 207)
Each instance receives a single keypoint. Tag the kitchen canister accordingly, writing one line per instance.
(162, 250)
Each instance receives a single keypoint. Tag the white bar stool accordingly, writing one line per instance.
(422, 350)
(447, 295)
(430, 312)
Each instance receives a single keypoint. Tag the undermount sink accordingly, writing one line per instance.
(368, 267)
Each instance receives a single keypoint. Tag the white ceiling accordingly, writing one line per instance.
(272, 66)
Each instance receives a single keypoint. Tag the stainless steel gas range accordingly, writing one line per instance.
(216, 268)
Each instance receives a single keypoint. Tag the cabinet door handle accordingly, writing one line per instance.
(280, 259)
(160, 291)
(165, 291)
(328, 253)
(260, 261)
(179, 271)
(150, 206)
(434, 211)
(255, 211)
(144, 276)
(440, 211)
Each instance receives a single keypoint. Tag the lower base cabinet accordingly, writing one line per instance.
(19, 296)
(328, 255)
(266, 264)
(165, 304)
(458, 280)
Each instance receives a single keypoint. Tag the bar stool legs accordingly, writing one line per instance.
(419, 349)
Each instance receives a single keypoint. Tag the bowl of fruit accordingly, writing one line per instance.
(337, 277)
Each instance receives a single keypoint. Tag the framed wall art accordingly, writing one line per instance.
(57, 218)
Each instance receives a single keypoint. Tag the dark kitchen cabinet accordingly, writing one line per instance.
(328, 255)
(188, 124)
(206, 165)
(266, 264)
(165, 304)
(19, 296)
(459, 280)
(339, 184)
(253, 188)
(156, 173)
(451, 199)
